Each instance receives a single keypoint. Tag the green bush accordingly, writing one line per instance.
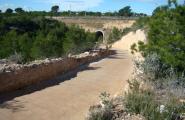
(133, 48)
(140, 23)
(115, 35)
(99, 114)
(126, 30)
(141, 46)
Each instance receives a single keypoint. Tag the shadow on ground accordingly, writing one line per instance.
(14, 106)
(44, 84)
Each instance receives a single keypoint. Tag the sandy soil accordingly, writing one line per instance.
(118, 24)
(70, 99)
(129, 39)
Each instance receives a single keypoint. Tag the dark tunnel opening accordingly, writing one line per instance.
(99, 36)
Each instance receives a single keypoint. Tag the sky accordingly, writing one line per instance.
(140, 6)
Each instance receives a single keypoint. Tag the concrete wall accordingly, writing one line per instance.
(34, 73)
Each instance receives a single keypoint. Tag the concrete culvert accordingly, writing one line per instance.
(99, 35)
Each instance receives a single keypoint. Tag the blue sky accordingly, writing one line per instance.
(145, 6)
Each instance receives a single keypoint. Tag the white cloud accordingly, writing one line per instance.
(3, 7)
(73, 4)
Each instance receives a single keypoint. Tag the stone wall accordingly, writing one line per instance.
(18, 76)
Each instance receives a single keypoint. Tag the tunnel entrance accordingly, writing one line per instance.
(99, 36)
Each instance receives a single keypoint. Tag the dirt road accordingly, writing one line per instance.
(70, 99)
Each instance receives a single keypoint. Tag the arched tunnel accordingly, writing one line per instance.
(100, 35)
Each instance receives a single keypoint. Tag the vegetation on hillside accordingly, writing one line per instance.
(156, 92)
(34, 37)
(163, 67)
(166, 35)
(116, 33)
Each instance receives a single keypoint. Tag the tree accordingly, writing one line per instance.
(25, 44)
(9, 11)
(55, 9)
(19, 10)
(160, 8)
(98, 13)
(8, 44)
(0, 11)
(126, 11)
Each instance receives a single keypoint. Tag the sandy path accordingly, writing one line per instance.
(70, 100)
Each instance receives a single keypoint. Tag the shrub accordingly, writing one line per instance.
(114, 35)
(141, 23)
(99, 114)
(126, 31)
(144, 102)
(141, 102)
(141, 46)
(103, 112)
(133, 48)
(16, 58)
(105, 99)
(162, 102)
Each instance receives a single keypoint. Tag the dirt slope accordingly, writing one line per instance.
(70, 100)
(129, 39)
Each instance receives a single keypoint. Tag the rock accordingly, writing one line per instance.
(133, 117)
(182, 100)
(3, 61)
(69, 55)
(6, 66)
(34, 65)
(161, 108)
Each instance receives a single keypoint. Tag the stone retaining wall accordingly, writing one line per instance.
(29, 74)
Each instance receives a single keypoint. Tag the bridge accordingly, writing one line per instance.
(102, 26)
